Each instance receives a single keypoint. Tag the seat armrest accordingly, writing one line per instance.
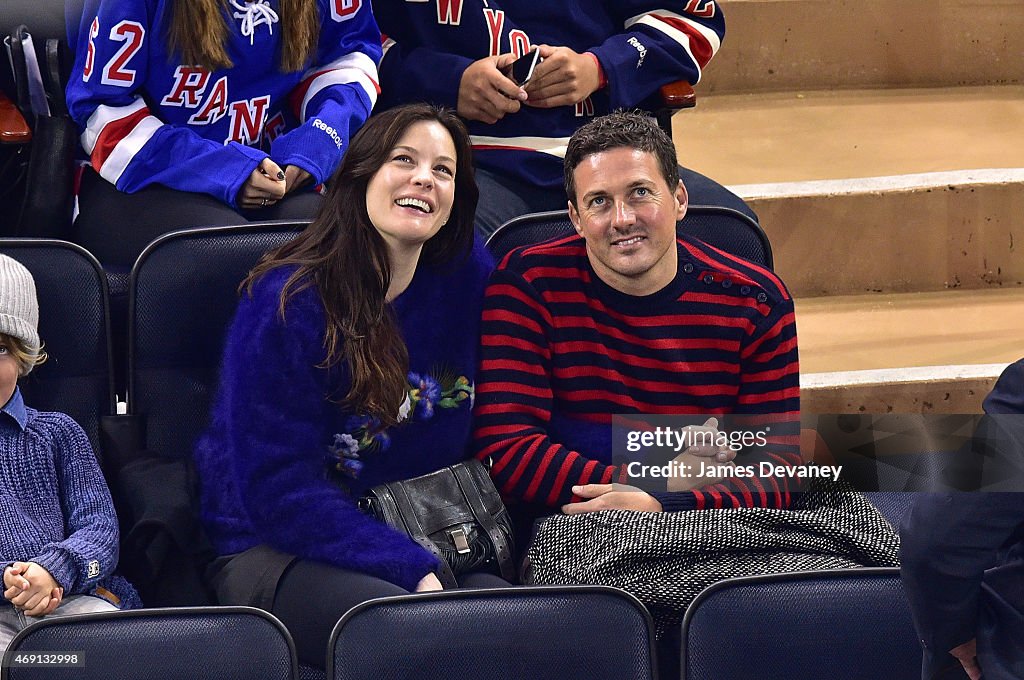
(13, 128)
(674, 96)
(678, 95)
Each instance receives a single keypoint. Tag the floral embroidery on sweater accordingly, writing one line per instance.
(426, 392)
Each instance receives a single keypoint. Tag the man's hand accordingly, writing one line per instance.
(611, 497)
(564, 78)
(696, 457)
(967, 653)
(295, 178)
(265, 186)
(31, 588)
(429, 583)
(485, 93)
(706, 437)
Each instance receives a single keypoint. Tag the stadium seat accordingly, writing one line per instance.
(892, 504)
(74, 326)
(722, 227)
(183, 294)
(207, 643)
(846, 624)
(541, 633)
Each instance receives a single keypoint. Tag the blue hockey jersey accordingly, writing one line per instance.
(640, 44)
(146, 118)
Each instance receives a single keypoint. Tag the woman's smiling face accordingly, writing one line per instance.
(410, 197)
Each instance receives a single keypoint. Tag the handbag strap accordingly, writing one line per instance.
(55, 91)
(400, 498)
(471, 492)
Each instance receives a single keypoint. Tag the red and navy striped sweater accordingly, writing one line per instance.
(562, 351)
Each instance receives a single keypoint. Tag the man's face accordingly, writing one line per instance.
(627, 214)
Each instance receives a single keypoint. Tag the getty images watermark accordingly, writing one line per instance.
(905, 452)
(655, 450)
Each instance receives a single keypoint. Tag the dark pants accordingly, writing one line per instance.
(309, 597)
(116, 227)
(502, 198)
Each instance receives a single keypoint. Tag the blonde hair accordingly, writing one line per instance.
(27, 357)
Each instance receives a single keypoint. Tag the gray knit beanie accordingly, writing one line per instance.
(19, 309)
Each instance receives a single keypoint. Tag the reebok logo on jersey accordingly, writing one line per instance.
(331, 132)
(639, 48)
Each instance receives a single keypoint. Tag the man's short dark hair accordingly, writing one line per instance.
(621, 129)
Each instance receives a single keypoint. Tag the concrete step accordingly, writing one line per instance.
(913, 352)
(955, 327)
(874, 191)
(930, 389)
(775, 45)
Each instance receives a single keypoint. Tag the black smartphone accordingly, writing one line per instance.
(521, 69)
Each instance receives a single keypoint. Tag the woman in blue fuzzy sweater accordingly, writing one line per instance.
(350, 362)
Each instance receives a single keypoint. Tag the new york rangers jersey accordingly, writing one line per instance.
(147, 118)
(640, 44)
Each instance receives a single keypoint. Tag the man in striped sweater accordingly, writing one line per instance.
(627, 318)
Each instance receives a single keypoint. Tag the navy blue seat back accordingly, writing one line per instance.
(847, 624)
(723, 228)
(183, 295)
(541, 633)
(196, 643)
(892, 504)
(74, 327)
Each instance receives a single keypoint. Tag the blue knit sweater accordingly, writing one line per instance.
(281, 464)
(55, 508)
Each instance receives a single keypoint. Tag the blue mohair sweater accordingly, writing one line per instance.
(271, 460)
(55, 508)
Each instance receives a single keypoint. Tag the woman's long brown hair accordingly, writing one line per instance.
(199, 32)
(345, 257)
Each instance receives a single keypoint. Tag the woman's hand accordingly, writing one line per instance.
(295, 178)
(429, 583)
(265, 187)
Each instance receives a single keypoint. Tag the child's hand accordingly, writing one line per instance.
(14, 582)
(42, 594)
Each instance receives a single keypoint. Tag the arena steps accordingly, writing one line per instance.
(908, 352)
(777, 45)
(895, 217)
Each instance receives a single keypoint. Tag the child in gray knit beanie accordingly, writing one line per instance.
(19, 315)
(58, 528)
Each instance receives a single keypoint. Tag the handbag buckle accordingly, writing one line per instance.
(458, 537)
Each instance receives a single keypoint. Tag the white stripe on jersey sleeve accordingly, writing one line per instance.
(102, 116)
(354, 68)
(708, 34)
(678, 36)
(126, 149)
(554, 146)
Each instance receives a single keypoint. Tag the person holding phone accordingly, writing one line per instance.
(594, 57)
